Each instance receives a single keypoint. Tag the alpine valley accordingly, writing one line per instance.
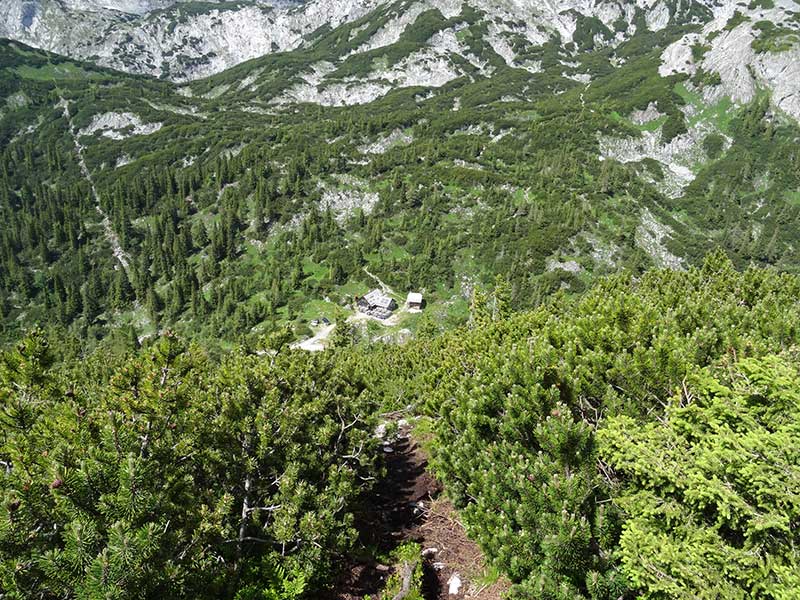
(432, 144)
(594, 203)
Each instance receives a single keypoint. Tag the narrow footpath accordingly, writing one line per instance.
(110, 235)
(408, 506)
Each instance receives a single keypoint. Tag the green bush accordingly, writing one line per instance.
(674, 126)
(706, 490)
(518, 402)
(164, 475)
(713, 144)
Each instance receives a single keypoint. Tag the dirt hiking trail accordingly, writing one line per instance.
(408, 506)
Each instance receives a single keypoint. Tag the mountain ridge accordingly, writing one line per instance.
(744, 48)
(162, 31)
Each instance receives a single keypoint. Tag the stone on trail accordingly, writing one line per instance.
(454, 584)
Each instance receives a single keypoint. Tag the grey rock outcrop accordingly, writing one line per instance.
(732, 55)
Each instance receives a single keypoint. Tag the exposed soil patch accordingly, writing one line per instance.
(457, 554)
(407, 506)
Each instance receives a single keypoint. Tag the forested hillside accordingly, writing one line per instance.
(224, 216)
(639, 441)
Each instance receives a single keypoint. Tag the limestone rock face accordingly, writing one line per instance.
(165, 38)
(183, 40)
(138, 7)
(730, 42)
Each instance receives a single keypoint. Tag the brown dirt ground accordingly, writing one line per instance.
(407, 506)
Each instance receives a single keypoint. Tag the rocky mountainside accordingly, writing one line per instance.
(740, 48)
(744, 49)
(165, 38)
(247, 173)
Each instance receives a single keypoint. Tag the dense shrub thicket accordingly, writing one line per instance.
(710, 490)
(517, 403)
(169, 476)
